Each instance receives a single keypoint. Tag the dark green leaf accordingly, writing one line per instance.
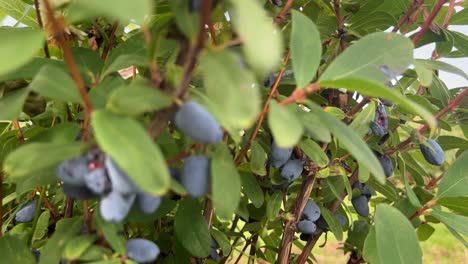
(258, 159)
(12, 103)
(314, 152)
(369, 251)
(395, 237)
(41, 226)
(30, 158)
(285, 125)
(362, 121)
(51, 81)
(226, 183)
(274, 205)
(137, 98)
(365, 59)
(425, 231)
(252, 189)
(458, 223)
(14, 250)
(333, 223)
(65, 230)
(306, 48)
(452, 142)
(18, 46)
(460, 18)
(191, 229)
(456, 204)
(135, 152)
(238, 100)
(77, 246)
(112, 233)
(455, 180)
(222, 241)
(351, 141)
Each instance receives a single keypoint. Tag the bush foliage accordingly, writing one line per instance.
(190, 131)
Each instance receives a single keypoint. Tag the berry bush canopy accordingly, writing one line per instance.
(227, 131)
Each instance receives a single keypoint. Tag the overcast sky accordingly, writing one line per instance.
(451, 80)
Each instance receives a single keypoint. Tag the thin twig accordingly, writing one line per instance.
(301, 94)
(56, 29)
(413, 8)
(290, 227)
(282, 14)
(183, 154)
(428, 21)
(41, 25)
(262, 115)
(108, 47)
(18, 129)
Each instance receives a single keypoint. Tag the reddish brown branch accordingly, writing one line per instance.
(428, 21)
(434, 182)
(290, 226)
(108, 47)
(18, 129)
(423, 209)
(41, 25)
(183, 154)
(57, 30)
(262, 115)
(301, 94)
(413, 8)
(49, 206)
(313, 239)
(282, 14)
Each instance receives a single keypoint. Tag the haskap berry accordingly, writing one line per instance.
(433, 153)
(142, 250)
(279, 155)
(195, 175)
(311, 211)
(291, 170)
(115, 206)
(198, 124)
(306, 227)
(147, 203)
(379, 126)
(27, 212)
(386, 163)
(361, 205)
(119, 179)
(72, 171)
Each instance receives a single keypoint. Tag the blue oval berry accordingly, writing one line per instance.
(72, 171)
(119, 179)
(291, 170)
(148, 204)
(195, 175)
(434, 154)
(311, 211)
(115, 206)
(142, 250)
(198, 124)
(279, 156)
(27, 212)
(361, 205)
(307, 227)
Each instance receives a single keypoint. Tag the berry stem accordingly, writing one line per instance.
(16, 125)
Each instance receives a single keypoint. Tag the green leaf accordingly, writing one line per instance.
(274, 205)
(369, 251)
(362, 121)
(122, 62)
(117, 9)
(20, 11)
(333, 223)
(18, 46)
(137, 98)
(65, 230)
(87, 60)
(424, 74)
(306, 48)
(313, 126)
(19, 162)
(455, 180)
(456, 204)
(28, 71)
(363, 174)
(222, 241)
(370, 88)
(252, 189)
(452, 142)
(99, 95)
(314, 152)
(425, 231)
(440, 65)
(111, 232)
(395, 237)
(351, 141)
(456, 222)
(285, 125)
(15, 250)
(77, 246)
(365, 59)
(258, 159)
(12, 103)
(226, 183)
(262, 43)
(52, 81)
(460, 18)
(135, 152)
(238, 100)
(409, 192)
(191, 229)
(41, 226)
